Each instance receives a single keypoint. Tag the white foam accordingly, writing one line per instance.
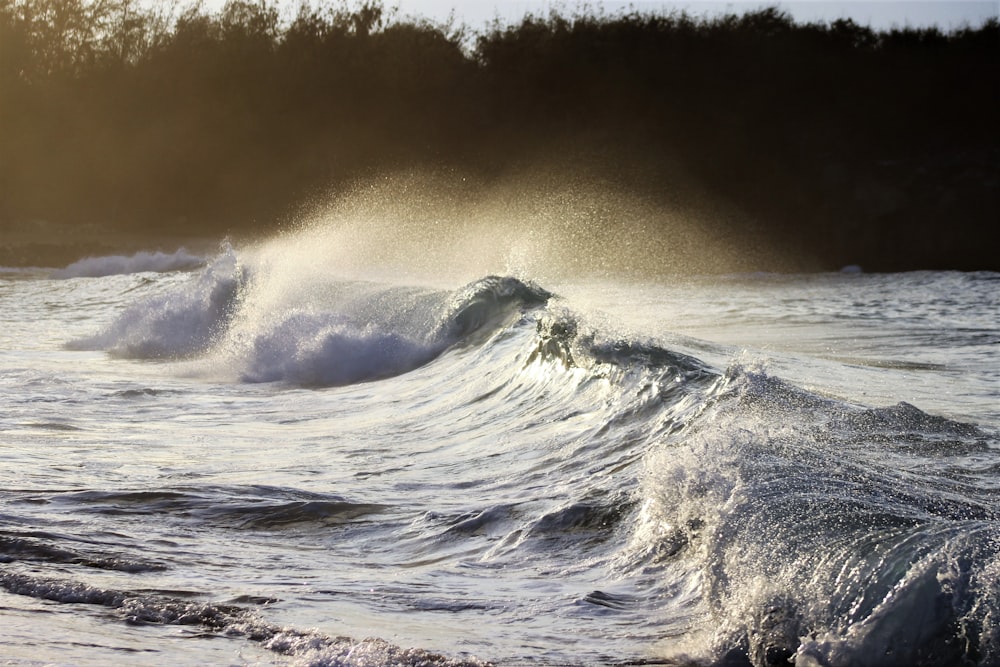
(326, 350)
(313, 650)
(140, 262)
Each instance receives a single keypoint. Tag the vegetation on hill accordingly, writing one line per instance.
(854, 146)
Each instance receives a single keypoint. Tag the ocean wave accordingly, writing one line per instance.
(240, 507)
(318, 332)
(40, 547)
(140, 262)
(779, 522)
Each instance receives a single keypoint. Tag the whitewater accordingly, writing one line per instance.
(266, 454)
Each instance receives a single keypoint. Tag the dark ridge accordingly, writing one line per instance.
(14, 548)
(839, 144)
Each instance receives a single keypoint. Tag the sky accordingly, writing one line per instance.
(879, 14)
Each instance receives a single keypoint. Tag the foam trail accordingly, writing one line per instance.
(306, 647)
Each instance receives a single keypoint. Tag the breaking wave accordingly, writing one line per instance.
(820, 534)
(329, 334)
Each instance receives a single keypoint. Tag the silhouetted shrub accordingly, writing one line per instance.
(194, 122)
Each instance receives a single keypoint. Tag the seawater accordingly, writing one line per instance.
(253, 458)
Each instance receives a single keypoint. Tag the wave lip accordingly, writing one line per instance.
(484, 302)
(140, 262)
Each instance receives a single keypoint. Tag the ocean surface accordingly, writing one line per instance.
(257, 456)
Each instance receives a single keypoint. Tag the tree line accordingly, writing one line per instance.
(857, 145)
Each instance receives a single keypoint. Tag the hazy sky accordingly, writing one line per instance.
(876, 13)
(879, 14)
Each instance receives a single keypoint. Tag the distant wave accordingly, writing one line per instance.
(28, 272)
(140, 262)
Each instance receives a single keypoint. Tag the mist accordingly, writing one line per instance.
(443, 228)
